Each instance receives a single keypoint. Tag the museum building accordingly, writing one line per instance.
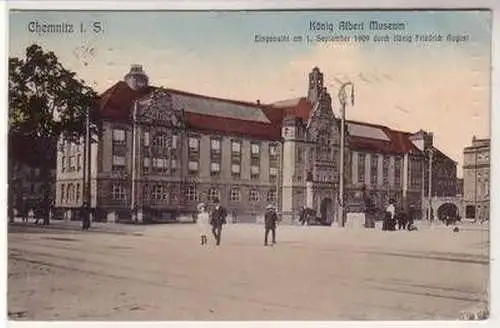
(161, 151)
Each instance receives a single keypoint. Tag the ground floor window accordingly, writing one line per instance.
(271, 196)
(213, 193)
(191, 193)
(254, 195)
(470, 211)
(235, 195)
(118, 191)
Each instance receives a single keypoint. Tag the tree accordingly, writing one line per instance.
(46, 101)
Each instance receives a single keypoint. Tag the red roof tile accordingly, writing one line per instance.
(116, 104)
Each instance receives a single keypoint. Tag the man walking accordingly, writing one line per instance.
(270, 219)
(217, 220)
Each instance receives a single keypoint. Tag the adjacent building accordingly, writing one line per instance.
(162, 151)
(476, 179)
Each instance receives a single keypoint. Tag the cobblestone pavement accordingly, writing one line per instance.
(314, 273)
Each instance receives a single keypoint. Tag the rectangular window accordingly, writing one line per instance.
(193, 166)
(173, 164)
(147, 139)
(78, 162)
(273, 150)
(215, 145)
(397, 172)
(236, 147)
(62, 193)
(361, 168)
(118, 136)
(118, 163)
(78, 192)
(72, 165)
(374, 170)
(235, 169)
(298, 155)
(174, 141)
(385, 170)
(255, 149)
(63, 164)
(118, 160)
(159, 192)
(193, 143)
(273, 171)
(254, 172)
(118, 192)
(214, 167)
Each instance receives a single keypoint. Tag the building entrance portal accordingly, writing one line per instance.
(327, 212)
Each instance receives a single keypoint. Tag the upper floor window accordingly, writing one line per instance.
(215, 145)
(236, 146)
(118, 136)
(118, 162)
(63, 163)
(161, 141)
(235, 169)
(254, 171)
(273, 150)
(147, 138)
(255, 149)
(214, 168)
(193, 143)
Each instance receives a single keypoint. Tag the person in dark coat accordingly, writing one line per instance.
(369, 210)
(270, 219)
(217, 220)
(85, 216)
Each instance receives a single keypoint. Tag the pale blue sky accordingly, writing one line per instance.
(405, 86)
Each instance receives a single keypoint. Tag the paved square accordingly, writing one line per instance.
(161, 272)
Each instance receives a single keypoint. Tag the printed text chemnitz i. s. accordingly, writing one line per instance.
(64, 27)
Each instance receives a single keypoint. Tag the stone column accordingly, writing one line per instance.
(309, 194)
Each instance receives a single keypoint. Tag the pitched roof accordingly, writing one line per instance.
(203, 113)
(211, 114)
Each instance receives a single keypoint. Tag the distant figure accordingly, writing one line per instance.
(402, 220)
(217, 220)
(456, 229)
(389, 220)
(203, 222)
(85, 217)
(369, 210)
(270, 219)
(302, 215)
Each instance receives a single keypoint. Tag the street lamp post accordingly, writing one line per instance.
(87, 144)
(431, 216)
(342, 99)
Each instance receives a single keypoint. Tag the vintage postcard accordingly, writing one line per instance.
(249, 165)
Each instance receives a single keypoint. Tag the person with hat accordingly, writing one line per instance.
(270, 219)
(202, 221)
(217, 220)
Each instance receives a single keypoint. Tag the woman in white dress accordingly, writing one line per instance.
(203, 222)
